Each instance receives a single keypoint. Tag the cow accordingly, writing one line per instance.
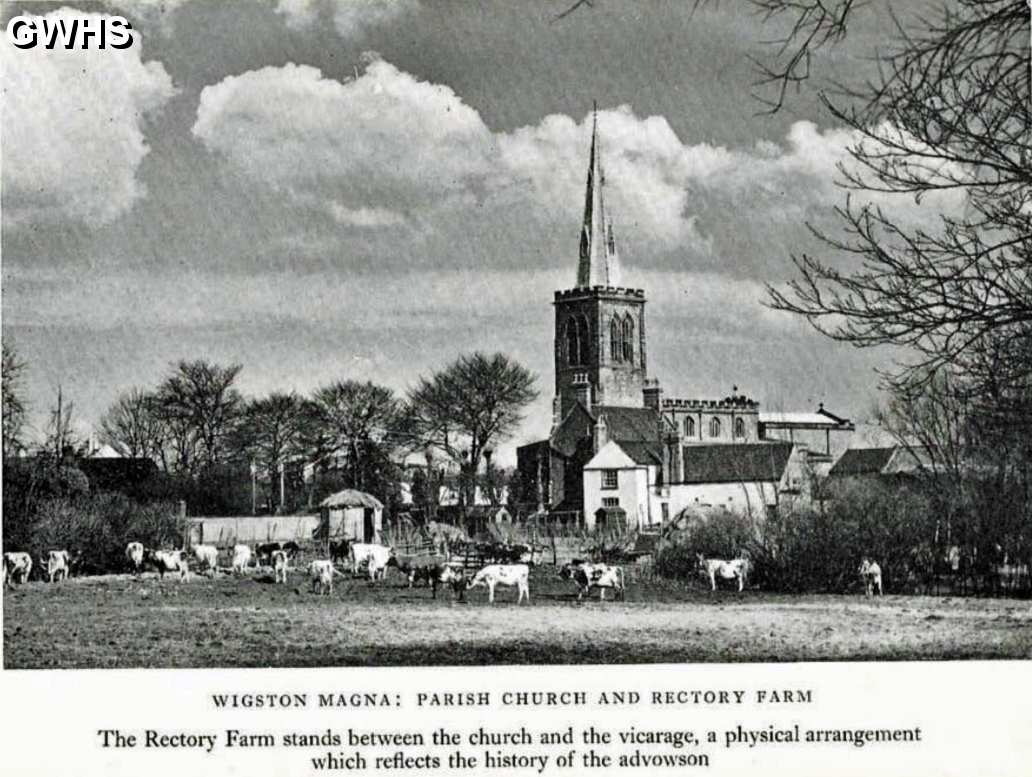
(434, 570)
(587, 576)
(339, 551)
(279, 566)
(241, 558)
(134, 554)
(57, 565)
(420, 566)
(503, 574)
(207, 557)
(168, 561)
(870, 573)
(17, 567)
(736, 569)
(375, 557)
(321, 574)
(263, 552)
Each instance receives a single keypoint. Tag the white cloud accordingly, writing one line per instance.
(350, 17)
(383, 140)
(387, 148)
(73, 129)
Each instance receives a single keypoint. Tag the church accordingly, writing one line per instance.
(620, 451)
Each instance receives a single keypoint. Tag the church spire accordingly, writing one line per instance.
(599, 263)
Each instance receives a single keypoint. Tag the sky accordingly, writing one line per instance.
(332, 189)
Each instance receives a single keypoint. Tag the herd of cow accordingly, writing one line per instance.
(510, 566)
(360, 558)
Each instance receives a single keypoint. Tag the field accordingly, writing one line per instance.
(118, 621)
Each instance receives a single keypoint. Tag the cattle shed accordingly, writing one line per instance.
(352, 514)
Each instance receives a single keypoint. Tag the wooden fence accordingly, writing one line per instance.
(226, 532)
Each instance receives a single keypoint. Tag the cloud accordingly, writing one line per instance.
(387, 149)
(350, 17)
(73, 130)
(383, 140)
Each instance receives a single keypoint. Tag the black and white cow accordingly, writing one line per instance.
(168, 562)
(17, 568)
(870, 573)
(588, 575)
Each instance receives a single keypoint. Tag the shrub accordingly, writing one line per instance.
(97, 528)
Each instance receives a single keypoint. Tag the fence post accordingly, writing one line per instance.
(186, 527)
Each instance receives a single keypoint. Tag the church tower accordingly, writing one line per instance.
(599, 324)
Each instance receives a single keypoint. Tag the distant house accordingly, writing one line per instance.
(748, 477)
(107, 470)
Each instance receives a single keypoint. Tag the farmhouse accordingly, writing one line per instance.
(617, 444)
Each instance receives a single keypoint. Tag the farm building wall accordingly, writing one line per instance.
(225, 532)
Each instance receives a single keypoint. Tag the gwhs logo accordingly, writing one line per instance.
(87, 32)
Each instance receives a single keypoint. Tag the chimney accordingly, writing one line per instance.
(601, 433)
(652, 394)
(582, 390)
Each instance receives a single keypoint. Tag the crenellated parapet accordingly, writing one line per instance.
(616, 292)
(740, 402)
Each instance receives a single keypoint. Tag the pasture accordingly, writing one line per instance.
(119, 621)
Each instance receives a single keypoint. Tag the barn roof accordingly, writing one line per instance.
(862, 461)
(747, 463)
(349, 497)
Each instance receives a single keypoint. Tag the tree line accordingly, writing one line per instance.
(226, 453)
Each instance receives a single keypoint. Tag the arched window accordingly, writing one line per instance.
(739, 427)
(628, 339)
(714, 427)
(615, 341)
(689, 426)
(584, 332)
(573, 354)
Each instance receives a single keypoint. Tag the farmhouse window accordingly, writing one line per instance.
(610, 501)
(610, 478)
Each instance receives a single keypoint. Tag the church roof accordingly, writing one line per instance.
(635, 428)
(631, 424)
(745, 463)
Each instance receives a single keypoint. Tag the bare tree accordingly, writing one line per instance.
(469, 406)
(14, 410)
(61, 439)
(275, 430)
(133, 426)
(200, 408)
(362, 422)
(950, 113)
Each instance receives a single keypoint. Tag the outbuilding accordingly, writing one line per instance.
(353, 514)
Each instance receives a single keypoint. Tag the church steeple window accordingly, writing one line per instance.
(689, 426)
(578, 341)
(615, 341)
(573, 340)
(714, 427)
(628, 339)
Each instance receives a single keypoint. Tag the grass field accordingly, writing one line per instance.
(117, 621)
